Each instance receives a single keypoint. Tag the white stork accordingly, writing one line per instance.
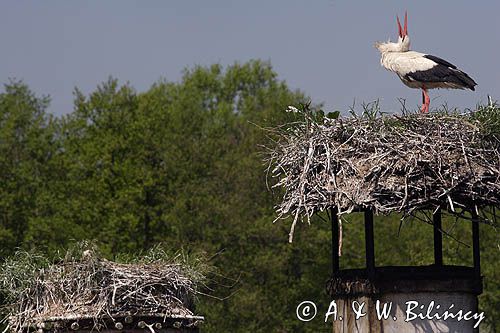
(420, 70)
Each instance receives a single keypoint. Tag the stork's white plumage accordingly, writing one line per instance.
(420, 70)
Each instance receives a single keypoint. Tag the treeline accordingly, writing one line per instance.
(182, 164)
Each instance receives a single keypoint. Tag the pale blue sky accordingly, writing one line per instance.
(324, 47)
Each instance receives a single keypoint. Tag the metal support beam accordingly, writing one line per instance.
(475, 244)
(335, 240)
(369, 243)
(438, 238)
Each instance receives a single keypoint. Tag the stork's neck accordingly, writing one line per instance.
(389, 47)
(402, 45)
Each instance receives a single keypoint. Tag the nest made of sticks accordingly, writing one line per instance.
(94, 288)
(386, 163)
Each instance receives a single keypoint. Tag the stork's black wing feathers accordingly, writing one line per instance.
(442, 72)
(440, 61)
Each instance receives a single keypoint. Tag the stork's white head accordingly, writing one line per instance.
(403, 43)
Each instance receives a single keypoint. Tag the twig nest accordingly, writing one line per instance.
(386, 163)
(74, 289)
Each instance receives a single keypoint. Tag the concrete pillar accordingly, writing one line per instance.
(416, 300)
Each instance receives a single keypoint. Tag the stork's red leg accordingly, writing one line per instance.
(425, 100)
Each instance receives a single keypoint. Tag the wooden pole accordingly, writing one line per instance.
(369, 243)
(438, 238)
(335, 240)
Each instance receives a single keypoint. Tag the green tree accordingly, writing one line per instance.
(27, 143)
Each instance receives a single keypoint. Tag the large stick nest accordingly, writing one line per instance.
(387, 163)
(94, 288)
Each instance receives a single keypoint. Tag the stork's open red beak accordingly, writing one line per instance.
(403, 32)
